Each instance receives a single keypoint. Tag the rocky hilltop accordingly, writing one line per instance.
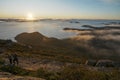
(36, 39)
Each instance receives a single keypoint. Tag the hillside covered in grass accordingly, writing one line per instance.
(54, 59)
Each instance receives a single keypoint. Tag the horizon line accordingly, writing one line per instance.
(62, 18)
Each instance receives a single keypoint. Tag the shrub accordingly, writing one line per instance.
(82, 73)
(1, 61)
(14, 70)
(46, 75)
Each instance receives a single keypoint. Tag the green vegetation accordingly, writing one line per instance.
(14, 70)
(1, 61)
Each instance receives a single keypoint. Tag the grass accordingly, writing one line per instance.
(67, 73)
(57, 54)
(78, 73)
(1, 61)
(14, 70)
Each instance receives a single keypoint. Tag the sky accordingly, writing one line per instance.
(65, 9)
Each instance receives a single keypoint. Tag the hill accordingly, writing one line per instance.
(94, 48)
(51, 63)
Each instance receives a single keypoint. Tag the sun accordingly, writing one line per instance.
(30, 16)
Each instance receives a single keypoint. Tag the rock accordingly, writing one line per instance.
(6, 43)
(90, 62)
(105, 63)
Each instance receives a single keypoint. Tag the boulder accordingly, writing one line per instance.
(90, 62)
(104, 63)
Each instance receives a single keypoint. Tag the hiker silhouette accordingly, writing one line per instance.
(10, 59)
(15, 59)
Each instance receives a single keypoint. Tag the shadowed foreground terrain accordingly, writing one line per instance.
(69, 59)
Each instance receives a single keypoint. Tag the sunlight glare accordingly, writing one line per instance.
(30, 16)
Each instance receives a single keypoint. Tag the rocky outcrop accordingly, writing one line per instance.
(105, 63)
(90, 62)
(37, 40)
(102, 63)
(34, 39)
(6, 42)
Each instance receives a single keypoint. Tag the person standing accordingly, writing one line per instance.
(10, 59)
(15, 59)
